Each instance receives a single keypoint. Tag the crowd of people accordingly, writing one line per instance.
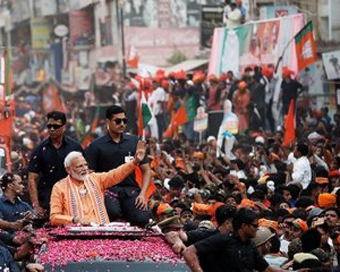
(243, 201)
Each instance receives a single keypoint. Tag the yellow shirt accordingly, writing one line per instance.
(61, 213)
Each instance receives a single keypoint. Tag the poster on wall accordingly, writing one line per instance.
(47, 7)
(164, 13)
(193, 13)
(179, 13)
(212, 17)
(20, 10)
(314, 81)
(150, 14)
(133, 13)
(271, 12)
(331, 62)
(41, 29)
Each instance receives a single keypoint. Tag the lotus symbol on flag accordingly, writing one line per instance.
(307, 51)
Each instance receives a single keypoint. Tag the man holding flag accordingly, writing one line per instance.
(128, 200)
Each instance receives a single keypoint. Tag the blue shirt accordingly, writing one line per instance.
(12, 212)
(6, 261)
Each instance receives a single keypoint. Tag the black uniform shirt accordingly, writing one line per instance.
(104, 154)
(227, 252)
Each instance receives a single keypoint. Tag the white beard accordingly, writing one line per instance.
(77, 176)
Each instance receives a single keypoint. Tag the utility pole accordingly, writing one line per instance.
(120, 12)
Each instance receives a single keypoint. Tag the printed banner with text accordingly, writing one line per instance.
(255, 43)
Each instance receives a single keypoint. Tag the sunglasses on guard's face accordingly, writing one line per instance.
(54, 126)
(118, 121)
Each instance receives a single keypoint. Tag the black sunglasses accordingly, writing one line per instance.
(118, 121)
(49, 126)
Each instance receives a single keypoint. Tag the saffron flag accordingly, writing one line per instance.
(7, 98)
(51, 99)
(289, 125)
(144, 115)
(305, 46)
(133, 57)
(139, 178)
(185, 113)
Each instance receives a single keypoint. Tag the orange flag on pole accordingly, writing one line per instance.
(305, 47)
(289, 125)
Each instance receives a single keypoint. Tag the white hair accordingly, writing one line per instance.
(70, 157)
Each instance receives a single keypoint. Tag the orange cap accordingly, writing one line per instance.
(300, 224)
(268, 223)
(320, 180)
(164, 208)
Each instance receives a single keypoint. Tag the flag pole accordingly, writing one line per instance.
(283, 52)
(285, 48)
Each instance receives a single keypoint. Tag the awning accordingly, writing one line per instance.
(187, 65)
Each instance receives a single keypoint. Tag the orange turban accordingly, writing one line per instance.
(165, 84)
(181, 75)
(157, 78)
(267, 71)
(172, 75)
(326, 200)
(213, 78)
(198, 77)
(242, 85)
(223, 77)
(286, 72)
(160, 72)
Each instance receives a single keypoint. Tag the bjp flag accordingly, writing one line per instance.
(305, 46)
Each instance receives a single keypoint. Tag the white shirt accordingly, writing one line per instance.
(226, 11)
(302, 171)
(234, 18)
(156, 100)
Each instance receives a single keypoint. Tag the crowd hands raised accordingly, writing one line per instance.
(277, 204)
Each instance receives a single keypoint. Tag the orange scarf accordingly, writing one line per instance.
(76, 206)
